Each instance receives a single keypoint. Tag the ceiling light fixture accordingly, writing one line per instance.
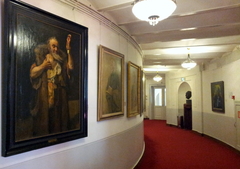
(157, 78)
(153, 11)
(188, 39)
(188, 29)
(189, 63)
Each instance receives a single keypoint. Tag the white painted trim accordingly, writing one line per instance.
(143, 150)
(96, 15)
(90, 155)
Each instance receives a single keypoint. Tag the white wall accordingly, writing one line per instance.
(226, 69)
(218, 125)
(112, 143)
(173, 82)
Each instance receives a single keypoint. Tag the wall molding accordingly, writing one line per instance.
(118, 143)
(75, 4)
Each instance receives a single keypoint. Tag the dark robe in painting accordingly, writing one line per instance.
(113, 93)
(49, 119)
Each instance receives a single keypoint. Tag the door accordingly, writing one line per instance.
(159, 103)
(237, 111)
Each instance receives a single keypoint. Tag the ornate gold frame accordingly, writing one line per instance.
(110, 83)
(134, 90)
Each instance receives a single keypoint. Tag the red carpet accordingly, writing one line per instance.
(168, 147)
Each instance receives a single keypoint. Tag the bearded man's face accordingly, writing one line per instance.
(53, 45)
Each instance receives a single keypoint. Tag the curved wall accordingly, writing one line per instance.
(113, 143)
(221, 126)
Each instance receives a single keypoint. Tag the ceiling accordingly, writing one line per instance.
(208, 28)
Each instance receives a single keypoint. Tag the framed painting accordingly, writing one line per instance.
(44, 79)
(217, 92)
(110, 83)
(133, 92)
(143, 92)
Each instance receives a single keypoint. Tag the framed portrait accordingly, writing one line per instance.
(44, 79)
(110, 83)
(133, 92)
(217, 93)
(143, 92)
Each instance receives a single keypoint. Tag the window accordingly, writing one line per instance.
(160, 96)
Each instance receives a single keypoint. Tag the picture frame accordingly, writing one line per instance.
(143, 92)
(44, 79)
(110, 84)
(217, 95)
(134, 90)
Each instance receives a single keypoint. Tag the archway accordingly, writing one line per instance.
(183, 88)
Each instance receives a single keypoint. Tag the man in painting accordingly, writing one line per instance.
(113, 90)
(217, 97)
(134, 92)
(49, 77)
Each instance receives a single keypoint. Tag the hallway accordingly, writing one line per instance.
(169, 147)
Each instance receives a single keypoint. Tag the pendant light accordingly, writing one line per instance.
(157, 78)
(189, 63)
(153, 11)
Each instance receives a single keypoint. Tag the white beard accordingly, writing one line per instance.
(57, 57)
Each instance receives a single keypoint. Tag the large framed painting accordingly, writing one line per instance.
(217, 92)
(133, 92)
(44, 79)
(110, 83)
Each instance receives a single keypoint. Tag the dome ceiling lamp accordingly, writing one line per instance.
(189, 63)
(157, 78)
(153, 11)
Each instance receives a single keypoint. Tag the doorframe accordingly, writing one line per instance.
(152, 100)
(236, 103)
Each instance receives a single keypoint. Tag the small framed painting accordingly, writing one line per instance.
(133, 92)
(217, 93)
(110, 83)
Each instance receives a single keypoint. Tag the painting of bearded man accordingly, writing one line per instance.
(45, 73)
(49, 75)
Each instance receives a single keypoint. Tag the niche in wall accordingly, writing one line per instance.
(183, 88)
(184, 108)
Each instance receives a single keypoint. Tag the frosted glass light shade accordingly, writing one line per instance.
(153, 11)
(157, 78)
(188, 64)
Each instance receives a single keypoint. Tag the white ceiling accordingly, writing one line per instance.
(216, 23)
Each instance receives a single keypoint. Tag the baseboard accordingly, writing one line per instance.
(210, 137)
(143, 150)
(222, 143)
(218, 141)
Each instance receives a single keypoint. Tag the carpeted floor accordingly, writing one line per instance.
(169, 147)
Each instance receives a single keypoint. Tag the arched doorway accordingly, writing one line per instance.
(184, 110)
